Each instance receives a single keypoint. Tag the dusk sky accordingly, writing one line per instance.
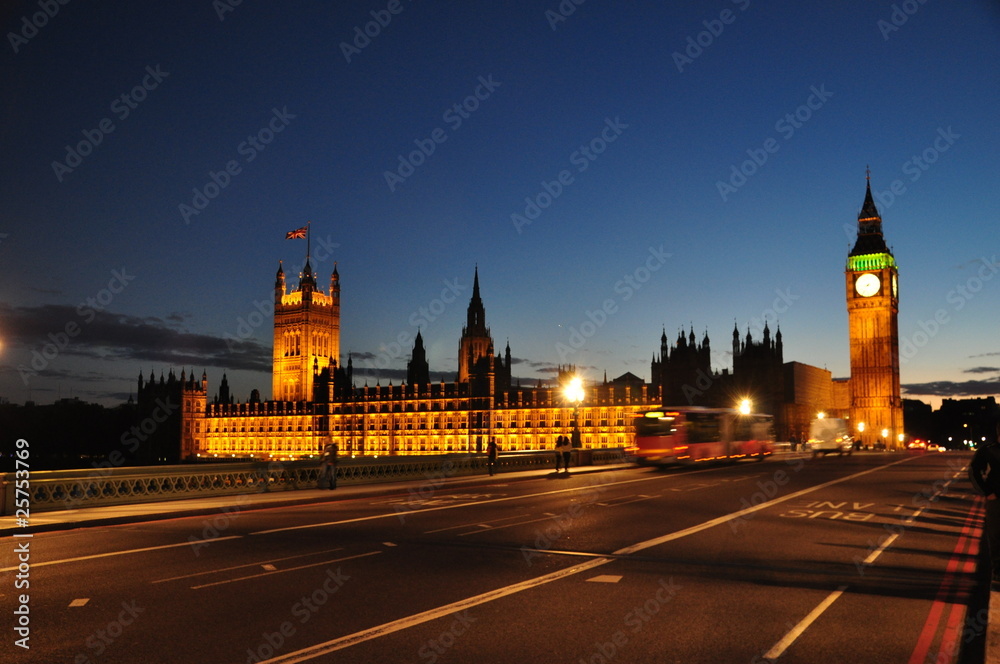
(613, 169)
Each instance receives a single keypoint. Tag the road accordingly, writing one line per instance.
(864, 558)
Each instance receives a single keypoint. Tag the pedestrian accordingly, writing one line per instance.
(328, 467)
(566, 448)
(492, 450)
(984, 472)
(559, 442)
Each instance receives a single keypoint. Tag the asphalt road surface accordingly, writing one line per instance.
(867, 558)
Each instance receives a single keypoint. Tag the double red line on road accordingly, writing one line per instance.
(950, 598)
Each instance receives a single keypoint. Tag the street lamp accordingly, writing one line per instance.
(574, 393)
(885, 435)
(745, 407)
(820, 415)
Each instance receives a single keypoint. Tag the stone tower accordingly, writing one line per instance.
(306, 333)
(872, 306)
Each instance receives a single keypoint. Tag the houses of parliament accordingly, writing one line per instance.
(316, 400)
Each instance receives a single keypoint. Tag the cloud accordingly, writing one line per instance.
(947, 388)
(975, 370)
(107, 335)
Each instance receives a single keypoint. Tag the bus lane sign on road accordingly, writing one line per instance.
(834, 511)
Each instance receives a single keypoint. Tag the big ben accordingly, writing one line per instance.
(872, 309)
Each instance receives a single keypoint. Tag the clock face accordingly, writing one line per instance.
(867, 284)
(895, 287)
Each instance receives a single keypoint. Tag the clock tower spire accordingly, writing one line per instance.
(872, 310)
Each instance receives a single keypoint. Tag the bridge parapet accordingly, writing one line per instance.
(71, 489)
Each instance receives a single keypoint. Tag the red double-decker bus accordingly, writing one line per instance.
(692, 434)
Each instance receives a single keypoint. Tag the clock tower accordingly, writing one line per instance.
(872, 309)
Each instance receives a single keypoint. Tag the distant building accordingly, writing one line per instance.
(683, 374)
(316, 399)
(808, 392)
(323, 404)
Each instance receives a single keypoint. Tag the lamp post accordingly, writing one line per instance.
(861, 432)
(574, 393)
(885, 436)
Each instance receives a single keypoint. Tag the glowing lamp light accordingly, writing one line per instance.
(861, 427)
(574, 390)
(885, 433)
(820, 415)
(746, 406)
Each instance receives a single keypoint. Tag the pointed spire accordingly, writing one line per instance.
(870, 239)
(868, 209)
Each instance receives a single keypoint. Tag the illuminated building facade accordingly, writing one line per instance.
(872, 292)
(316, 401)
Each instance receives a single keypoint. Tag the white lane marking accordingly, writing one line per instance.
(782, 645)
(115, 553)
(663, 539)
(589, 487)
(227, 569)
(641, 498)
(290, 569)
(432, 614)
(466, 525)
(508, 525)
(79, 602)
(605, 578)
(409, 621)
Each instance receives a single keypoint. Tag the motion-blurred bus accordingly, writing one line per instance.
(692, 434)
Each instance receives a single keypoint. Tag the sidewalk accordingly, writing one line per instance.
(155, 511)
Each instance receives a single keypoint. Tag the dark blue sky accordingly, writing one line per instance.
(646, 219)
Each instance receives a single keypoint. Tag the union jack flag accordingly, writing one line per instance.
(297, 233)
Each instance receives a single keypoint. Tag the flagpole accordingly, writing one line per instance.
(308, 240)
